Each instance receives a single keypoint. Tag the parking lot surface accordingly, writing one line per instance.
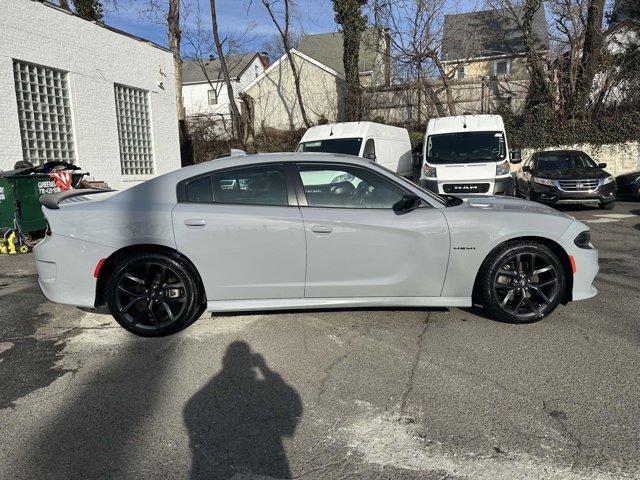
(411, 394)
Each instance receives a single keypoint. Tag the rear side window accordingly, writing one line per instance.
(263, 185)
(200, 190)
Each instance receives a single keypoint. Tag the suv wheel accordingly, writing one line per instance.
(153, 294)
(521, 282)
(607, 206)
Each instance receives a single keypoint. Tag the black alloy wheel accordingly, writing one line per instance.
(522, 282)
(153, 295)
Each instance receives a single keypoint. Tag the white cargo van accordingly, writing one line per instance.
(467, 154)
(389, 146)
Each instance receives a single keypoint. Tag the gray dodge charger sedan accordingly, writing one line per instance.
(306, 230)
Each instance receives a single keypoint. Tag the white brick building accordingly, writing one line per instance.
(80, 91)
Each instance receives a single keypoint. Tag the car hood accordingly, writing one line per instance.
(634, 174)
(573, 174)
(509, 204)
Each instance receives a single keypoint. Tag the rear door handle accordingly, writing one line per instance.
(322, 229)
(195, 222)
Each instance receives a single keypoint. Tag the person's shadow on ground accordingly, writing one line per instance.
(237, 421)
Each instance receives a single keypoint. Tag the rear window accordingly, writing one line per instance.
(263, 185)
(200, 190)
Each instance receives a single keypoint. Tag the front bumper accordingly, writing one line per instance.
(585, 261)
(551, 194)
(495, 186)
(65, 268)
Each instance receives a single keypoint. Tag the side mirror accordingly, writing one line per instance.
(371, 156)
(407, 204)
(516, 155)
(526, 168)
(602, 165)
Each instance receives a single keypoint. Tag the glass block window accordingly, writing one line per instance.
(44, 113)
(134, 131)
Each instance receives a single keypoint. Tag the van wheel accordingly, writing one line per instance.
(153, 294)
(521, 282)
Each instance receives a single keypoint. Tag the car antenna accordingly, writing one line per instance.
(464, 120)
(331, 131)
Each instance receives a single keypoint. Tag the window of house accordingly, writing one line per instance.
(263, 185)
(256, 70)
(134, 130)
(347, 187)
(213, 97)
(459, 74)
(44, 113)
(501, 67)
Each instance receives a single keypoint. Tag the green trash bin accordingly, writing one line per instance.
(21, 192)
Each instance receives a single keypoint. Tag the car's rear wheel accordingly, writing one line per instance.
(153, 294)
(521, 282)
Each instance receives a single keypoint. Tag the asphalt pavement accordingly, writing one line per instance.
(365, 394)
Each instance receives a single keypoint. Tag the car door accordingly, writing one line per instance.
(243, 231)
(357, 246)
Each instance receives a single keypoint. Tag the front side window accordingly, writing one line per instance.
(134, 130)
(466, 147)
(347, 146)
(44, 113)
(347, 187)
(263, 185)
(213, 97)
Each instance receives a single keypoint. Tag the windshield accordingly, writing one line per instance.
(466, 147)
(564, 161)
(348, 146)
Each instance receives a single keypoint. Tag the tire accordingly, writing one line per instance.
(533, 294)
(607, 206)
(154, 294)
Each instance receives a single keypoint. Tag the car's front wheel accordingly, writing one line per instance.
(607, 206)
(153, 294)
(520, 282)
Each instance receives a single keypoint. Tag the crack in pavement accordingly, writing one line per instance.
(414, 365)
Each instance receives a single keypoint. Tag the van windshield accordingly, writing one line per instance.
(348, 146)
(466, 147)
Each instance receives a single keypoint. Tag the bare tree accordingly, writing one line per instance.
(283, 25)
(274, 46)
(174, 33)
(235, 113)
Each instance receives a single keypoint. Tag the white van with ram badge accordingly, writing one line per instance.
(389, 146)
(467, 154)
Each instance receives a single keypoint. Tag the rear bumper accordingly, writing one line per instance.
(65, 268)
(553, 195)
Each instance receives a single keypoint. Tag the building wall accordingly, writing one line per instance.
(619, 157)
(196, 99)
(95, 58)
(274, 97)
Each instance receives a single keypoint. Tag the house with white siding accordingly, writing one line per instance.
(85, 93)
(203, 87)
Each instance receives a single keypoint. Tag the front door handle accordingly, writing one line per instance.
(195, 222)
(322, 229)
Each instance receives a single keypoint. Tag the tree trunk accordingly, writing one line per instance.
(539, 91)
(65, 4)
(236, 123)
(446, 83)
(174, 33)
(590, 56)
(352, 22)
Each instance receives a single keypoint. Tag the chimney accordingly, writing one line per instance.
(264, 58)
(387, 57)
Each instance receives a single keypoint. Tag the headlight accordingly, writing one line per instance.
(429, 172)
(606, 180)
(583, 240)
(503, 168)
(544, 181)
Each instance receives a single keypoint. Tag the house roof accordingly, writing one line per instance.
(327, 49)
(284, 57)
(192, 71)
(489, 33)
